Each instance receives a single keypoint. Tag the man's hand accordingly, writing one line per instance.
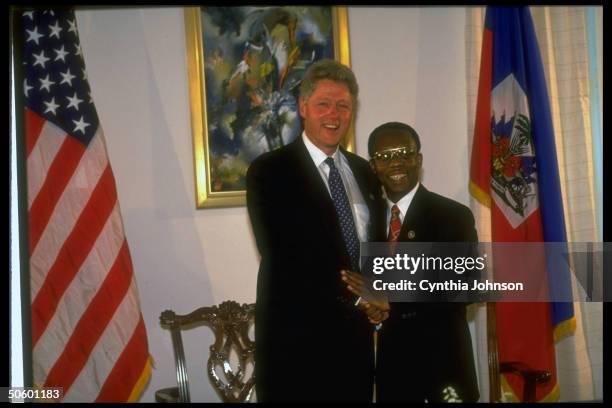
(377, 310)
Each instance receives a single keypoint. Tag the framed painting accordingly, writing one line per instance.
(245, 66)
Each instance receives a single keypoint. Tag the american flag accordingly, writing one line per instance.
(88, 334)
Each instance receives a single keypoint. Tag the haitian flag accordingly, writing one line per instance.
(514, 172)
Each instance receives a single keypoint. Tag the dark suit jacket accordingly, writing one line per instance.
(426, 347)
(312, 343)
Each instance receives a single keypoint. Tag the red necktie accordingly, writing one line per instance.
(395, 225)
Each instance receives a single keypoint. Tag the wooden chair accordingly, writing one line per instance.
(230, 323)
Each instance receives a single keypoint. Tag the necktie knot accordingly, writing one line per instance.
(330, 162)
(395, 211)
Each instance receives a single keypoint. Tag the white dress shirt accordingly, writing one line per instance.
(403, 204)
(361, 214)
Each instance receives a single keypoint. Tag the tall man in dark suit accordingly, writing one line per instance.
(311, 203)
(424, 349)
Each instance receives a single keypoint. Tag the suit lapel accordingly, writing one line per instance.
(366, 183)
(413, 227)
(315, 190)
(362, 178)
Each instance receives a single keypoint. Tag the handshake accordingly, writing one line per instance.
(376, 307)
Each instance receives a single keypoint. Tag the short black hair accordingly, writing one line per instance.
(398, 126)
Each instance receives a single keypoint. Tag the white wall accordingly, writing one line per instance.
(410, 65)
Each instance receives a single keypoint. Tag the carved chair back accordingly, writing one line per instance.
(230, 323)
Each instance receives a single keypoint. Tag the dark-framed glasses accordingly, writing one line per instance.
(403, 153)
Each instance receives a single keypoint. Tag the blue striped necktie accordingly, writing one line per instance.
(345, 215)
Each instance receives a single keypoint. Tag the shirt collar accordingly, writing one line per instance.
(404, 203)
(318, 156)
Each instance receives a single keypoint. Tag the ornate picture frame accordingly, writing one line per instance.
(244, 68)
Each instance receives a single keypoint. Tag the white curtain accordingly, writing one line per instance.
(573, 75)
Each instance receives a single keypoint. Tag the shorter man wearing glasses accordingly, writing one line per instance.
(424, 349)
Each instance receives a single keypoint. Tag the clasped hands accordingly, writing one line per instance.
(376, 309)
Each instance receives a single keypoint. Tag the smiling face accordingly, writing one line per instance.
(399, 173)
(327, 114)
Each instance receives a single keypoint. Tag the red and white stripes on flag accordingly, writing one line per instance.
(88, 334)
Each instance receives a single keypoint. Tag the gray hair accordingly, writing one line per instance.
(332, 70)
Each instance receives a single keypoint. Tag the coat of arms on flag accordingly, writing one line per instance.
(513, 168)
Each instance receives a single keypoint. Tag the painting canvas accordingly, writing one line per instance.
(245, 68)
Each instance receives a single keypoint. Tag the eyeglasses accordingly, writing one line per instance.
(402, 153)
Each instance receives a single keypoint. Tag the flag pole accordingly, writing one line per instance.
(15, 58)
(493, 357)
(375, 341)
